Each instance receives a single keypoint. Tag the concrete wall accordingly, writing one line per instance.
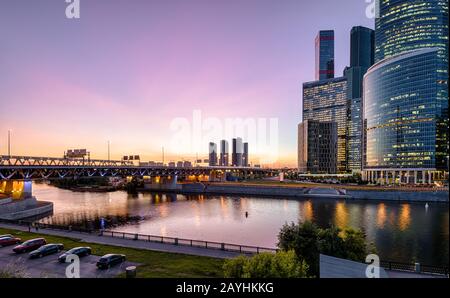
(419, 196)
(18, 209)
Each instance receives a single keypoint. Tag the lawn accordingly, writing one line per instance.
(154, 264)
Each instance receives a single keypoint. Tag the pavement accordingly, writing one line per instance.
(139, 244)
(49, 267)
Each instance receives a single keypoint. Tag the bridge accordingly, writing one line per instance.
(29, 168)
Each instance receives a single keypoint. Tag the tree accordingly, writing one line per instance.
(283, 264)
(308, 241)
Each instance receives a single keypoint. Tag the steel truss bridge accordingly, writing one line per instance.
(27, 168)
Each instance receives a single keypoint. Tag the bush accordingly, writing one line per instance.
(308, 241)
(283, 264)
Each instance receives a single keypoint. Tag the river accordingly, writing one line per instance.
(403, 232)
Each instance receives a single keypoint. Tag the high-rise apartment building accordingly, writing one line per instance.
(238, 150)
(245, 161)
(212, 154)
(224, 153)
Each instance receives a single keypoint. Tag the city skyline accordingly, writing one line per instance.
(98, 80)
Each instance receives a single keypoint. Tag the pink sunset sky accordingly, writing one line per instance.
(126, 69)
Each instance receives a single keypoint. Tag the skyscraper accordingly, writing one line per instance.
(325, 55)
(406, 94)
(236, 156)
(224, 153)
(326, 101)
(212, 154)
(245, 161)
(405, 25)
(361, 58)
(317, 147)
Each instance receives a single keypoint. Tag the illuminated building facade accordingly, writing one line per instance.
(325, 55)
(407, 119)
(326, 101)
(362, 44)
(406, 94)
(317, 147)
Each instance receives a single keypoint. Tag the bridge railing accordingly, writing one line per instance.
(245, 249)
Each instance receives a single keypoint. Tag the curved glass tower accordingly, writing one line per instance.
(406, 94)
(405, 25)
(404, 132)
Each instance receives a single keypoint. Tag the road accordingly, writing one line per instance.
(49, 267)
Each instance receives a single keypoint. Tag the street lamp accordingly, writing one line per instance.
(9, 142)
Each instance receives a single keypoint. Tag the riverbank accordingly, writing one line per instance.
(311, 191)
(153, 263)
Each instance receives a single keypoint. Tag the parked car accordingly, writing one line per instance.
(79, 251)
(46, 250)
(6, 235)
(110, 260)
(9, 240)
(29, 245)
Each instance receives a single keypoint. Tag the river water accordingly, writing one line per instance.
(403, 232)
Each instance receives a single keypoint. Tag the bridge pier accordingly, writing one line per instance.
(16, 189)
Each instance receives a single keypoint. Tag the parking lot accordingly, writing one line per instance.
(49, 267)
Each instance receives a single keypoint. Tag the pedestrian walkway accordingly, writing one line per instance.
(139, 244)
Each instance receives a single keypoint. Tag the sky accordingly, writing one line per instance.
(127, 69)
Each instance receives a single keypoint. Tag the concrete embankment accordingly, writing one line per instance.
(407, 196)
(309, 192)
(29, 207)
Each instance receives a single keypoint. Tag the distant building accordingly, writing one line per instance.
(325, 55)
(238, 149)
(187, 164)
(362, 47)
(212, 154)
(179, 164)
(245, 161)
(326, 101)
(224, 153)
(172, 164)
(317, 147)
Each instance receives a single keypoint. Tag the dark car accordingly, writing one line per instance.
(46, 250)
(9, 240)
(29, 245)
(79, 251)
(110, 260)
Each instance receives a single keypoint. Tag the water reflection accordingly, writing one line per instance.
(401, 232)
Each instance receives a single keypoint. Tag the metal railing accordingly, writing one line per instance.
(245, 249)
(418, 268)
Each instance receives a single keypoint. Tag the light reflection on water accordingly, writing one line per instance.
(401, 231)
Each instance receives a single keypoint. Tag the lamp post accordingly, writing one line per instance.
(109, 156)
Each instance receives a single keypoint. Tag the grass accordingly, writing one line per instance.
(153, 263)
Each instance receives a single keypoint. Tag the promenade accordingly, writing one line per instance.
(139, 244)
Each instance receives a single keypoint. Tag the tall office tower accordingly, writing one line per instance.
(362, 46)
(317, 147)
(224, 153)
(405, 25)
(236, 156)
(325, 55)
(326, 101)
(212, 154)
(406, 94)
(245, 161)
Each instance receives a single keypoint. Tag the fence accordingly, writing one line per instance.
(424, 269)
(246, 249)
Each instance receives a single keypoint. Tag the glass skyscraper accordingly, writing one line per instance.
(404, 134)
(406, 94)
(325, 55)
(361, 58)
(326, 101)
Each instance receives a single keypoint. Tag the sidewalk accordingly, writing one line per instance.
(139, 244)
